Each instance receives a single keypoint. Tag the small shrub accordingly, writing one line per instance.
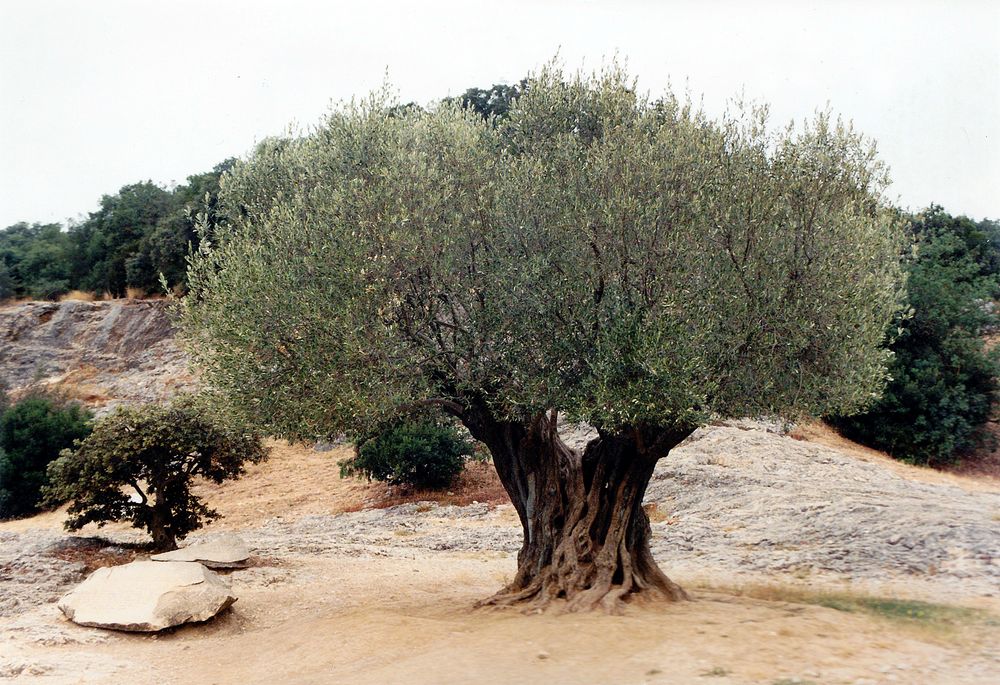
(139, 464)
(421, 454)
(32, 433)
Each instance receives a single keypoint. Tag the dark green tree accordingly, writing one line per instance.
(138, 465)
(32, 433)
(494, 103)
(113, 233)
(165, 247)
(6, 282)
(37, 260)
(943, 379)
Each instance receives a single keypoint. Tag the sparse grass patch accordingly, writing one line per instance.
(716, 672)
(478, 482)
(899, 609)
(908, 612)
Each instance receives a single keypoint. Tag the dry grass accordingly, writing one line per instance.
(478, 482)
(78, 296)
(295, 481)
(982, 461)
(966, 476)
(13, 301)
(135, 293)
(95, 553)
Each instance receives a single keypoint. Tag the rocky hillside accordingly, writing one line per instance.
(102, 353)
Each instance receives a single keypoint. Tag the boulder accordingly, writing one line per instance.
(146, 596)
(224, 551)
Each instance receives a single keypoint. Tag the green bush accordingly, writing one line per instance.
(138, 465)
(943, 380)
(32, 433)
(422, 454)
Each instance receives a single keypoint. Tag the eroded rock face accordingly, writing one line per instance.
(147, 596)
(224, 551)
(102, 353)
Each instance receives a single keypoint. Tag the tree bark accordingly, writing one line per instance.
(586, 535)
(164, 539)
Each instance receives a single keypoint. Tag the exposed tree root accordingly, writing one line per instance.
(586, 536)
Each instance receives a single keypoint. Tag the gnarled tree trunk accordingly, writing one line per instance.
(586, 535)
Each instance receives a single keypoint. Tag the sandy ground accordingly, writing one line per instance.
(377, 620)
(342, 593)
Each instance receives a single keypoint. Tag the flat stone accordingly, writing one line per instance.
(224, 551)
(147, 596)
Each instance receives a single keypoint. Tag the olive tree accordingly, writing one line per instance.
(594, 257)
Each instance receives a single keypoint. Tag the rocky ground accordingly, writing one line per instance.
(731, 507)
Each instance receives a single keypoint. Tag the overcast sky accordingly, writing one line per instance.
(97, 94)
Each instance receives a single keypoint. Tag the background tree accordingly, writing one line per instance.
(593, 256)
(493, 103)
(113, 233)
(138, 234)
(6, 282)
(35, 261)
(943, 379)
(32, 433)
(164, 247)
(154, 453)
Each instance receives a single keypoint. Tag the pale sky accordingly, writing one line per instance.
(98, 94)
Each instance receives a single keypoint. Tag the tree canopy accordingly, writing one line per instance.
(629, 263)
(35, 260)
(591, 250)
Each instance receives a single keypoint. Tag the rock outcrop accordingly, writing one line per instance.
(101, 353)
(147, 596)
(223, 551)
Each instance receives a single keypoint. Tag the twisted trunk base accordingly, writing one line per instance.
(586, 535)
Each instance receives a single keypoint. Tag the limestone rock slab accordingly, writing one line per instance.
(224, 551)
(147, 596)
